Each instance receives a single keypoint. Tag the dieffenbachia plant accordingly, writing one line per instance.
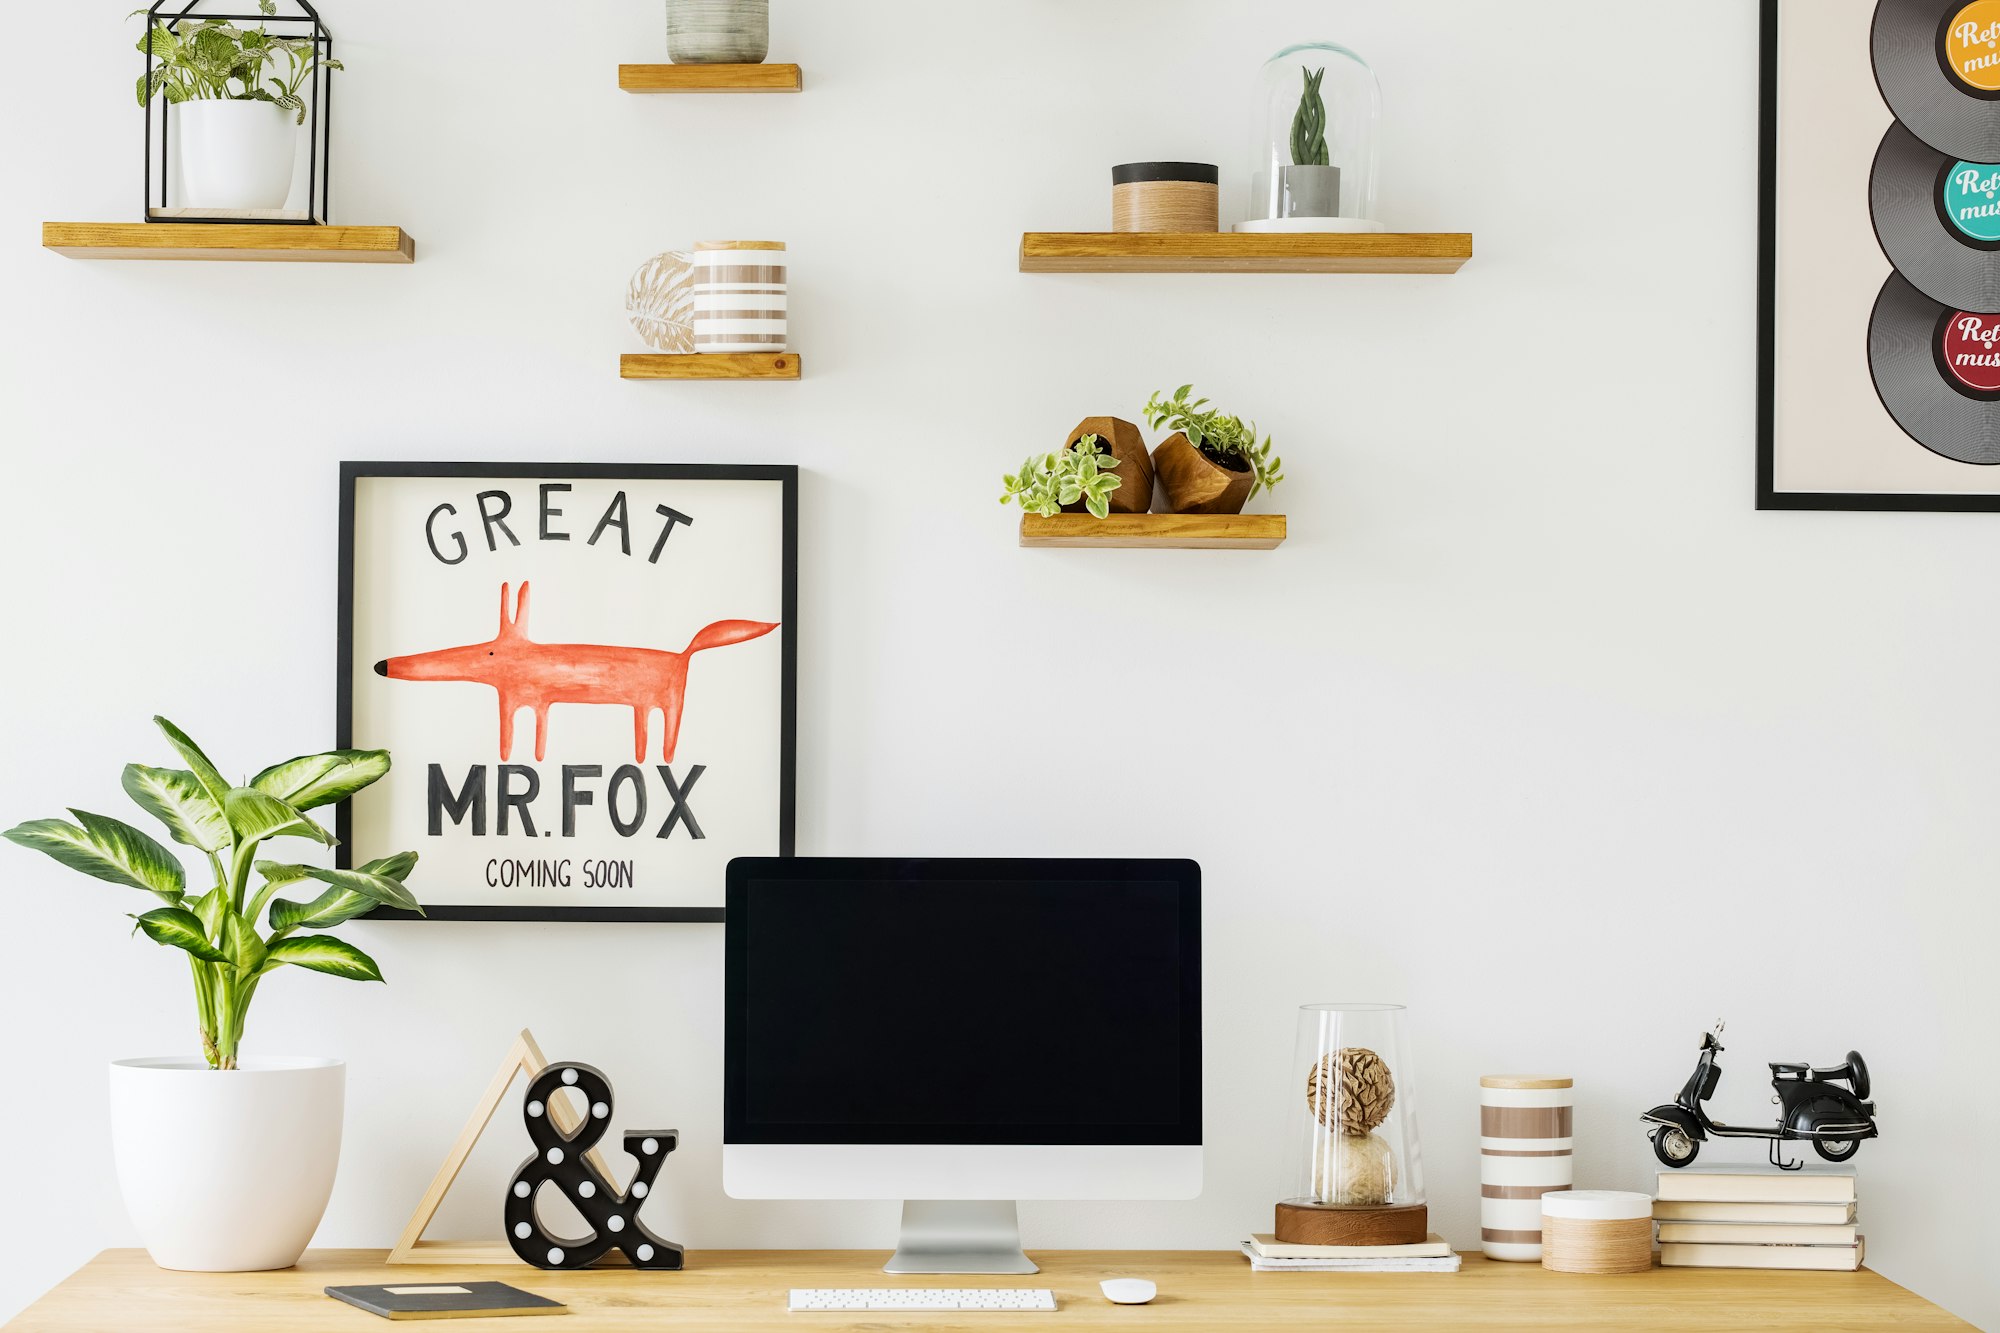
(1047, 482)
(1309, 125)
(210, 59)
(1216, 434)
(227, 824)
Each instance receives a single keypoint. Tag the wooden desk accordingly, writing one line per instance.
(1211, 1290)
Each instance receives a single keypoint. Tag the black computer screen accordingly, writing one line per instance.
(1035, 1002)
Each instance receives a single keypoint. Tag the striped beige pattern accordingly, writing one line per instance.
(1525, 1126)
(740, 296)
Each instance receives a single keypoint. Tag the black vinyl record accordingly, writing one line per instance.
(1916, 50)
(1911, 196)
(1905, 355)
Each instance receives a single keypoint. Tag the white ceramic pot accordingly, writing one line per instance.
(235, 154)
(226, 1171)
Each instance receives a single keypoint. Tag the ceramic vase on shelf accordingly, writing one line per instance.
(718, 32)
(1316, 114)
(226, 1171)
(1356, 1175)
(740, 299)
(236, 155)
(1524, 1153)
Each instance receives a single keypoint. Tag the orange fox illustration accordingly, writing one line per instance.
(535, 675)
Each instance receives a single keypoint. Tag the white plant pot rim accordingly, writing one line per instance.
(194, 1064)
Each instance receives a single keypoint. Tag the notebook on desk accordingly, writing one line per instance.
(446, 1300)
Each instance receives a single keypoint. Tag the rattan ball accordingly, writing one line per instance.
(1361, 1091)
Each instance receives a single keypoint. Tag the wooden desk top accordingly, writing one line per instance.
(1210, 1290)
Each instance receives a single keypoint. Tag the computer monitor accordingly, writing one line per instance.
(960, 1034)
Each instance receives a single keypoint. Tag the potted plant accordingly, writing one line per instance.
(1310, 187)
(236, 93)
(226, 1163)
(1126, 447)
(1212, 463)
(1080, 475)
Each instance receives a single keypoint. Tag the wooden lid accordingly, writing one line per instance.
(739, 245)
(1524, 1081)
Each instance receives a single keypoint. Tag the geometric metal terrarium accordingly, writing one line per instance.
(290, 61)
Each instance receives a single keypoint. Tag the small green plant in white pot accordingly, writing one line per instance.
(238, 98)
(226, 1163)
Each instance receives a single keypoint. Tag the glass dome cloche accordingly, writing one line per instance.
(1355, 1171)
(1316, 118)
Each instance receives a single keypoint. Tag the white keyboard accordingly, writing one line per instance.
(922, 1298)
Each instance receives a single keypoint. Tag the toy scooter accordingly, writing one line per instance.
(1812, 1107)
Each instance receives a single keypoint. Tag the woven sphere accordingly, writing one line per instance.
(1354, 1170)
(1351, 1090)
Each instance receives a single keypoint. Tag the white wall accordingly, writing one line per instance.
(1534, 723)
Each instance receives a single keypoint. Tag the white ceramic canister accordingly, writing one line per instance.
(1524, 1153)
(739, 296)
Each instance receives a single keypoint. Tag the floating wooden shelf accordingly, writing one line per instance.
(710, 78)
(710, 366)
(1244, 252)
(1196, 532)
(222, 240)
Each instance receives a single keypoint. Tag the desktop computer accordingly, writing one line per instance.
(960, 1034)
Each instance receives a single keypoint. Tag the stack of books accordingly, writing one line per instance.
(1758, 1217)
(1267, 1254)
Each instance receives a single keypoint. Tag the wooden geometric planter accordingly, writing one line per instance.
(1195, 483)
(1122, 440)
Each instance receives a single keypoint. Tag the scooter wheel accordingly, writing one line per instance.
(1674, 1146)
(1836, 1150)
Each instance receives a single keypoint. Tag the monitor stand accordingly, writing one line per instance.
(953, 1236)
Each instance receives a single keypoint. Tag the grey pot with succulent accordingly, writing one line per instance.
(1310, 186)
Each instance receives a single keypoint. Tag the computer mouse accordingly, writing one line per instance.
(1128, 1290)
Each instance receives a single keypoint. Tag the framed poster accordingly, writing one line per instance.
(585, 675)
(1880, 264)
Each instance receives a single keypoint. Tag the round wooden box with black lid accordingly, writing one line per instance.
(1165, 196)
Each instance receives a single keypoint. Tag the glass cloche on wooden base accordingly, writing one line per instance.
(1316, 117)
(1356, 1176)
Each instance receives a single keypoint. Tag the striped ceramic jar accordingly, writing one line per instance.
(1524, 1152)
(739, 296)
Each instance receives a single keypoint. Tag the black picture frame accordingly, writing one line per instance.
(351, 473)
(1768, 496)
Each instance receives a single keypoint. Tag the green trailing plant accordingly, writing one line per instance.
(1080, 473)
(1219, 436)
(227, 824)
(208, 59)
(1309, 125)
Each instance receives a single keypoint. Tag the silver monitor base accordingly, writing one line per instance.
(950, 1236)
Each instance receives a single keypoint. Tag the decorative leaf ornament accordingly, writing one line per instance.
(660, 302)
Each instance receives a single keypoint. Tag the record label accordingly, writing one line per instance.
(1971, 45)
(1969, 199)
(1969, 350)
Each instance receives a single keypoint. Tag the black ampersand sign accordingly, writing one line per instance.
(560, 1160)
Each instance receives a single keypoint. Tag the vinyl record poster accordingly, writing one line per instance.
(585, 676)
(1880, 300)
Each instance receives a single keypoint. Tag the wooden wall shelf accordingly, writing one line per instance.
(1243, 252)
(710, 366)
(710, 78)
(1193, 532)
(221, 240)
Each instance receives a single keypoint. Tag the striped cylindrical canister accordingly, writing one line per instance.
(739, 296)
(1524, 1152)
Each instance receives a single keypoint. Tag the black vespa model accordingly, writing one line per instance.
(1812, 1106)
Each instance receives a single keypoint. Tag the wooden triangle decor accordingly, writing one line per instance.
(523, 1057)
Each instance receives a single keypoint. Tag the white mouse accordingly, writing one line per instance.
(1128, 1290)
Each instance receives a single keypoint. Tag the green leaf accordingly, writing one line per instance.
(105, 849)
(382, 888)
(182, 929)
(205, 772)
(253, 817)
(210, 908)
(240, 942)
(314, 780)
(323, 953)
(397, 867)
(324, 912)
(175, 798)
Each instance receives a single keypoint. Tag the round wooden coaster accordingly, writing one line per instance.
(1389, 1224)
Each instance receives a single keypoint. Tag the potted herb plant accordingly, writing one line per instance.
(236, 97)
(1082, 474)
(225, 1162)
(1126, 447)
(1212, 463)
